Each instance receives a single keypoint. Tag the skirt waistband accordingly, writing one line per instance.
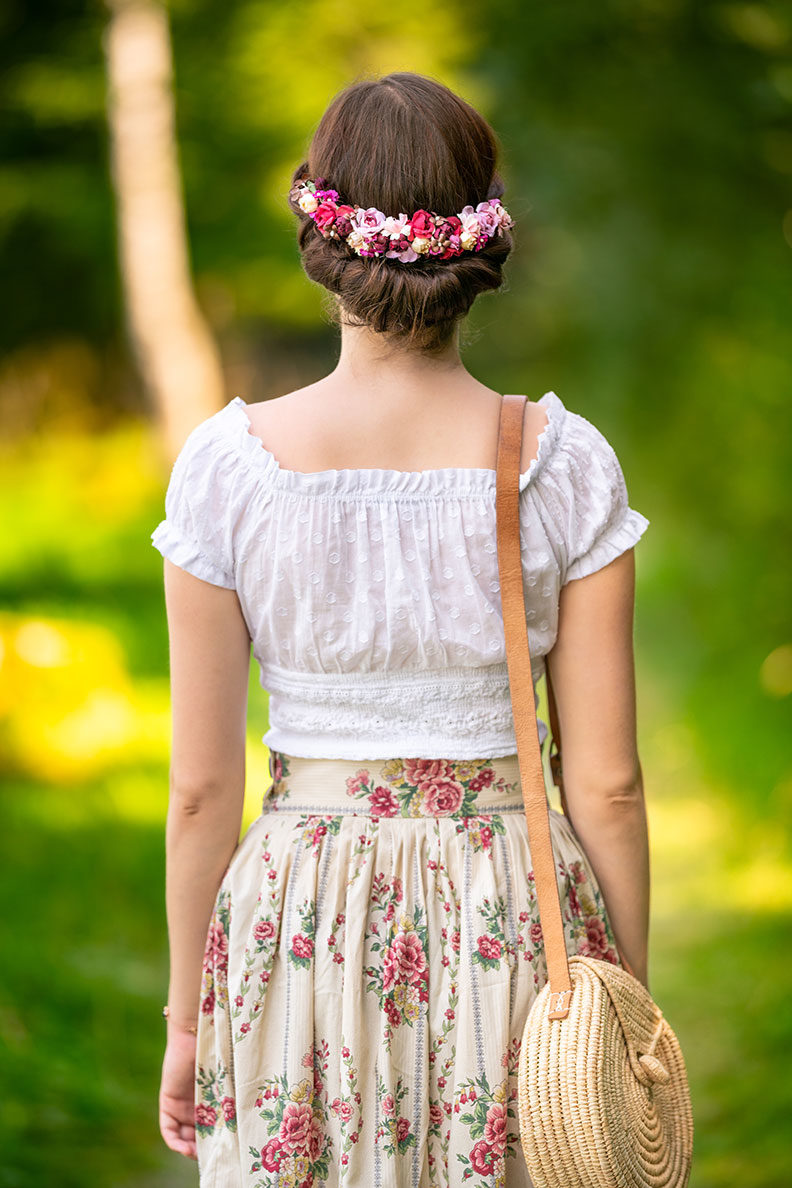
(394, 787)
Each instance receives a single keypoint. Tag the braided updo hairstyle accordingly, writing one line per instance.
(403, 143)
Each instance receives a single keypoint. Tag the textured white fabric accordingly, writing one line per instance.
(372, 595)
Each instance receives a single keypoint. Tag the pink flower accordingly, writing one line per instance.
(302, 946)
(419, 771)
(596, 943)
(435, 1114)
(495, 1127)
(296, 1127)
(442, 796)
(216, 953)
(343, 1109)
(396, 889)
(404, 961)
(489, 947)
(264, 931)
(371, 220)
(488, 220)
(388, 1105)
(345, 1053)
(315, 1140)
(228, 1106)
(402, 1129)
(205, 1115)
(356, 783)
(455, 940)
(271, 1155)
(481, 1158)
(383, 802)
(535, 933)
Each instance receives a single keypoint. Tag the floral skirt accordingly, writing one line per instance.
(373, 954)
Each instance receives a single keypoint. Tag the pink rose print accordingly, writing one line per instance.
(596, 943)
(482, 1158)
(536, 933)
(455, 940)
(205, 1115)
(342, 1109)
(296, 1127)
(271, 1155)
(216, 953)
(228, 1106)
(388, 1105)
(383, 802)
(355, 783)
(404, 960)
(495, 1128)
(442, 796)
(315, 1139)
(420, 771)
(264, 931)
(402, 1129)
(489, 947)
(435, 1114)
(302, 946)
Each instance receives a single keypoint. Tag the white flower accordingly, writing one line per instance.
(307, 202)
(468, 240)
(356, 240)
(420, 245)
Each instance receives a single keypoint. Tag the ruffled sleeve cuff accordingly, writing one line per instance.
(187, 555)
(609, 545)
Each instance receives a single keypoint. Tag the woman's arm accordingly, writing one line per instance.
(593, 673)
(209, 672)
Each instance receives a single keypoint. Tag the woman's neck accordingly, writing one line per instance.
(371, 366)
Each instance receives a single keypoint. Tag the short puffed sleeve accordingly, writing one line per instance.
(601, 524)
(196, 533)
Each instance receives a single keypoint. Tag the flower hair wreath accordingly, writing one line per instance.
(371, 233)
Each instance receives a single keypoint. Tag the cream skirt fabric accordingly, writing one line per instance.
(373, 954)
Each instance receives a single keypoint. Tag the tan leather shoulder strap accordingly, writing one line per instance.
(507, 511)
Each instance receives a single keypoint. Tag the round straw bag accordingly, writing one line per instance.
(603, 1097)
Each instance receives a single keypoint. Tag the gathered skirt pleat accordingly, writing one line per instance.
(373, 954)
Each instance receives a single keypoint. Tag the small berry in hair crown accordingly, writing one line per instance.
(371, 233)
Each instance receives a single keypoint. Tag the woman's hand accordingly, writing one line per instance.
(177, 1093)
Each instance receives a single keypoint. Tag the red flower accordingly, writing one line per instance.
(393, 1013)
(481, 1158)
(536, 933)
(435, 1114)
(383, 802)
(421, 224)
(324, 215)
(402, 1129)
(302, 946)
(271, 1155)
(228, 1106)
(345, 1053)
(489, 947)
(208, 1004)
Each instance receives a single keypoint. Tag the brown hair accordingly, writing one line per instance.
(403, 143)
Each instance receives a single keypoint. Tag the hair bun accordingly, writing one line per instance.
(403, 143)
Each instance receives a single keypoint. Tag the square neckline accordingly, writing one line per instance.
(435, 474)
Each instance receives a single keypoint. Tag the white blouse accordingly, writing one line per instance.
(372, 596)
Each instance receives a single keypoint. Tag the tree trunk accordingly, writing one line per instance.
(174, 348)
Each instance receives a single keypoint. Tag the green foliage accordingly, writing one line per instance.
(647, 160)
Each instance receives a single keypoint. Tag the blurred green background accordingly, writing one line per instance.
(647, 153)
